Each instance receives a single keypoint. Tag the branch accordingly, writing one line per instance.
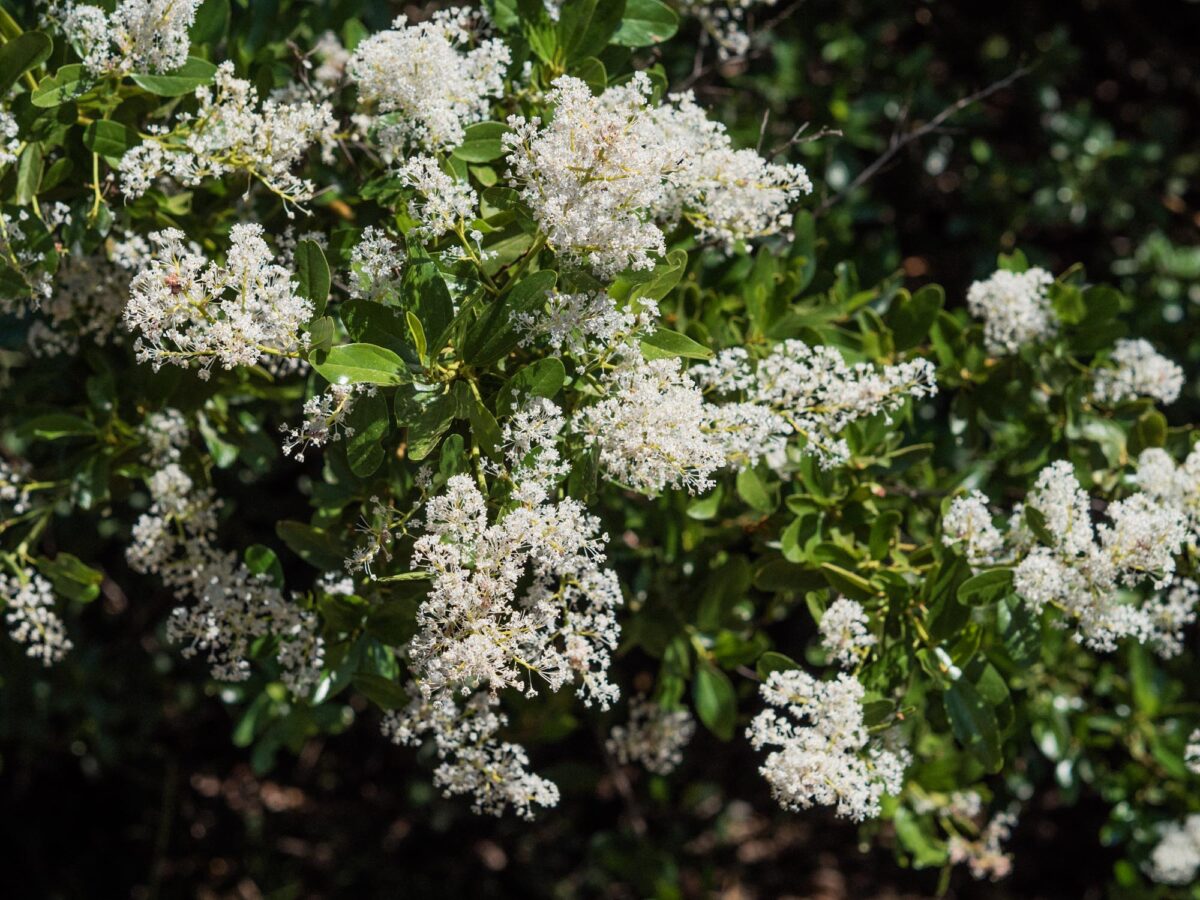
(899, 141)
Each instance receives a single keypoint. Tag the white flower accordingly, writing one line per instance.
(14, 491)
(29, 610)
(985, 855)
(1177, 486)
(1139, 371)
(969, 522)
(844, 631)
(587, 324)
(1176, 858)
(324, 418)
(724, 22)
(1014, 308)
(446, 202)
(375, 265)
(190, 310)
(138, 36)
(429, 77)
(653, 736)
(10, 144)
(824, 754)
(1191, 754)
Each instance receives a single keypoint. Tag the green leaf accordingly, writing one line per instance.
(986, 587)
(482, 142)
(313, 545)
(19, 55)
(359, 364)
(911, 317)
(974, 724)
(432, 422)
(65, 84)
(369, 421)
(108, 138)
(646, 22)
(543, 378)
(494, 334)
(423, 292)
(1150, 430)
(29, 173)
(373, 323)
(71, 577)
(312, 275)
(883, 530)
(854, 586)
(771, 661)
(383, 692)
(262, 560)
(716, 704)
(192, 74)
(665, 344)
(753, 490)
(53, 426)
(585, 26)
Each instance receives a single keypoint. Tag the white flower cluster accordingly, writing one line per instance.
(588, 323)
(607, 173)
(1014, 308)
(652, 428)
(1176, 858)
(445, 202)
(1081, 568)
(430, 76)
(1138, 370)
(90, 293)
(29, 610)
(516, 603)
(233, 607)
(845, 633)
(188, 310)
(137, 36)
(1177, 486)
(985, 855)
(376, 262)
(1191, 753)
(233, 132)
(14, 487)
(10, 144)
(324, 418)
(653, 736)
(825, 755)
(725, 22)
(812, 391)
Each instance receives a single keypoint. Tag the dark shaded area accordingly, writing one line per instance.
(120, 775)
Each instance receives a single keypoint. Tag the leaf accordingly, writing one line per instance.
(108, 138)
(494, 334)
(361, 364)
(665, 344)
(771, 661)
(753, 490)
(53, 426)
(383, 692)
(543, 378)
(716, 704)
(974, 724)
(192, 74)
(986, 587)
(262, 560)
(911, 317)
(883, 530)
(423, 292)
(854, 586)
(432, 422)
(19, 55)
(72, 578)
(312, 275)
(482, 142)
(65, 84)
(369, 421)
(373, 323)
(29, 173)
(313, 545)
(585, 26)
(646, 22)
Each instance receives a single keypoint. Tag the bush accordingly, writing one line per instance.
(458, 376)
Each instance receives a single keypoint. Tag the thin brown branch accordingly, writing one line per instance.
(901, 140)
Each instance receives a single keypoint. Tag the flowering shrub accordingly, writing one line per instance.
(557, 393)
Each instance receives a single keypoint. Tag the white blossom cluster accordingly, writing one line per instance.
(1014, 308)
(189, 310)
(137, 36)
(89, 297)
(984, 855)
(607, 173)
(227, 607)
(588, 323)
(653, 736)
(652, 428)
(324, 418)
(233, 131)
(32, 620)
(10, 144)
(1085, 570)
(519, 602)
(376, 263)
(14, 485)
(1174, 485)
(844, 631)
(444, 203)
(1176, 858)
(19, 245)
(824, 755)
(812, 391)
(430, 77)
(725, 22)
(1138, 370)
(1191, 753)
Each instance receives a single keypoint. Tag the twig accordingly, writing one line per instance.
(899, 141)
(801, 138)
